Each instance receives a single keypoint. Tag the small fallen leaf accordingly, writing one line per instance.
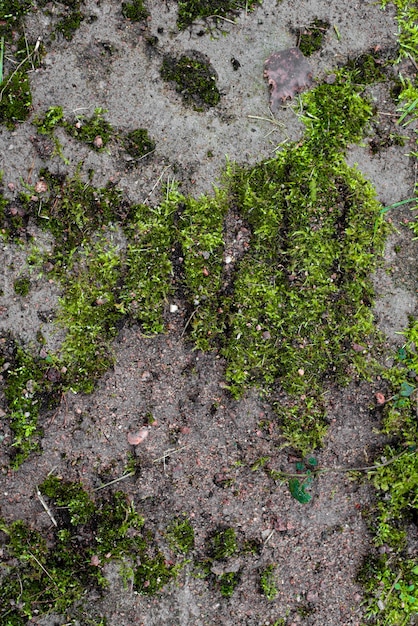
(288, 72)
(135, 438)
(380, 398)
(41, 186)
(95, 561)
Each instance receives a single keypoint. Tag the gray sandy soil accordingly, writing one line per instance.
(318, 546)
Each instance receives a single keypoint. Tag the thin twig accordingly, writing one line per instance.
(112, 482)
(46, 507)
(188, 322)
(269, 537)
(31, 54)
(157, 182)
(220, 17)
(325, 470)
(1, 59)
(392, 588)
(42, 567)
(169, 453)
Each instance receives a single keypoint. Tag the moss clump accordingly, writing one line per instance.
(200, 232)
(31, 385)
(310, 39)
(22, 286)
(180, 535)
(71, 496)
(190, 10)
(72, 210)
(89, 313)
(88, 535)
(367, 68)
(153, 573)
(392, 587)
(53, 117)
(16, 98)
(228, 582)
(195, 79)
(69, 24)
(267, 582)
(135, 10)
(95, 131)
(18, 56)
(24, 391)
(11, 14)
(223, 544)
(138, 143)
(147, 281)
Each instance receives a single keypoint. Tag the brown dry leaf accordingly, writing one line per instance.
(135, 438)
(288, 72)
(41, 186)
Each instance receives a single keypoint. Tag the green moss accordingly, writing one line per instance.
(22, 286)
(180, 535)
(22, 390)
(310, 39)
(195, 79)
(89, 313)
(135, 10)
(72, 210)
(268, 583)
(148, 274)
(69, 24)
(392, 587)
(88, 534)
(223, 544)
(367, 68)
(200, 232)
(190, 10)
(53, 117)
(16, 98)
(72, 496)
(20, 55)
(153, 573)
(137, 143)
(94, 131)
(11, 14)
(336, 114)
(227, 583)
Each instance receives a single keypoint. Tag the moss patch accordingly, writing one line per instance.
(88, 534)
(22, 286)
(138, 143)
(310, 39)
(95, 131)
(190, 10)
(30, 385)
(135, 11)
(194, 79)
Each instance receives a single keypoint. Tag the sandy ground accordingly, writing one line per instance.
(319, 546)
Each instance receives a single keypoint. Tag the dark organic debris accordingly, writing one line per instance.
(288, 72)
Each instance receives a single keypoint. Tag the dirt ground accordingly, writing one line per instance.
(198, 455)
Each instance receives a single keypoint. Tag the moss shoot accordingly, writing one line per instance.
(310, 39)
(191, 10)
(194, 78)
(135, 10)
(138, 143)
